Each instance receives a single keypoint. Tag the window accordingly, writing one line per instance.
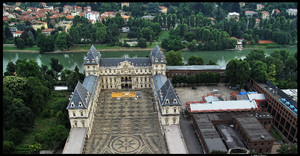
(162, 65)
(72, 104)
(75, 123)
(174, 101)
(82, 123)
(88, 67)
(74, 114)
(167, 121)
(174, 109)
(167, 110)
(94, 67)
(80, 104)
(167, 101)
(174, 120)
(81, 113)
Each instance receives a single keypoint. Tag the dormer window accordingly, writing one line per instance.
(93, 60)
(87, 60)
(72, 104)
(162, 60)
(167, 101)
(175, 101)
(80, 104)
(156, 60)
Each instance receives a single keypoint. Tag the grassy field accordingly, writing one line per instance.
(163, 34)
(34, 48)
(40, 123)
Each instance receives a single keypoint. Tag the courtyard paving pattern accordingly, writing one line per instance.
(125, 126)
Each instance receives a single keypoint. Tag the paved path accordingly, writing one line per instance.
(190, 137)
(125, 126)
(175, 142)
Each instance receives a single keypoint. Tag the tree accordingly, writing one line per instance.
(255, 55)
(211, 62)
(287, 149)
(243, 72)
(72, 81)
(100, 32)
(18, 115)
(174, 58)
(10, 69)
(192, 45)
(259, 72)
(35, 148)
(15, 135)
(8, 147)
(30, 41)
(57, 67)
(61, 41)
(153, 8)
(19, 42)
(7, 33)
(231, 71)
(27, 68)
(41, 42)
(142, 43)
(195, 60)
(271, 72)
(54, 137)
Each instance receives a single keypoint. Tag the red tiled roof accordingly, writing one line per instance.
(265, 41)
(277, 11)
(69, 17)
(257, 20)
(211, 18)
(265, 12)
(19, 32)
(48, 30)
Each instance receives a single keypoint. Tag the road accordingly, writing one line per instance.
(189, 135)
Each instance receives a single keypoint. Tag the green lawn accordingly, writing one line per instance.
(163, 34)
(88, 46)
(41, 124)
(35, 48)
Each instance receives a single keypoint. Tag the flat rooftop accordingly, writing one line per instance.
(230, 136)
(232, 105)
(292, 93)
(209, 133)
(196, 67)
(254, 128)
(75, 141)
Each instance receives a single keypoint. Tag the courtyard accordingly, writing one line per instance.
(188, 94)
(125, 125)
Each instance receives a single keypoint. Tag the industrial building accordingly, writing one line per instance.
(283, 108)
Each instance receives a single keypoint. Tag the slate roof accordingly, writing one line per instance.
(106, 62)
(89, 82)
(92, 54)
(165, 90)
(156, 53)
(79, 95)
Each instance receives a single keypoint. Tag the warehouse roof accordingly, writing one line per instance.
(196, 67)
(234, 105)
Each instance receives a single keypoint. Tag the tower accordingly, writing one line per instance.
(158, 61)
(91, 62)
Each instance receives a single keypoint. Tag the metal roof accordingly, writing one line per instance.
(89, 82)
(196, 67)
(223, 106)
(157, 54)
(256, 96)
(159, 80)
(92, 54)
(211, 98)
(79, 95)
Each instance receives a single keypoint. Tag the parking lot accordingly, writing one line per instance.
(188, 94)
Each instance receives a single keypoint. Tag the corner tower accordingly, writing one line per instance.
(91, 62)
(158, 61)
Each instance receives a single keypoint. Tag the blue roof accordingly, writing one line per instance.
(159, 80)
(93, 54)
(79, 95)
(157, 54)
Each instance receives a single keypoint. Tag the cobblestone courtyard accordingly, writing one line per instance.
(125, 126)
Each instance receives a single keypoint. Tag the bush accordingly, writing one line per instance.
(15, 135)
(46, 113)
(142, 43)
(8, 147)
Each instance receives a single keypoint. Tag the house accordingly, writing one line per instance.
(257, 21)
(265, 15)
(259, 6)
(64, 24)
(67, 9)
(212, 20)
(92, 16)
(251, 14)
(242, 4)
(275, 12)
(70, 17)
(48, 7)
(234, 15)
(125, 29)
(163, 9)
(47, 31)
(43, 4)
(78, 9)
(17, 33)
(148, 17)
(124, 4)
(13, 29)
(125, 17)
(292, 12)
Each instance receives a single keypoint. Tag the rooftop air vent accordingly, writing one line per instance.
(262, 137)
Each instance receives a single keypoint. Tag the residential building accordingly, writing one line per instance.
(48, 7)
(292, 12)
(259, 6)
(257, 21)
(275, 12)
(163, 9)
(265, 15)
(148, 17)
(39, 24)
(17, 33)
(251, 14)
(92, 16)
(47, 31)
(67, 9)
(78, 9)
(234, 15)
(124, 4)
(242, 4)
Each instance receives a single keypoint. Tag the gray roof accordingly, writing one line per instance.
(89, 82)
(156, 53)
(92, 54)
(106, 62)
(79, 95)
(209, 133)
(254, 129)
(196, 67)
(165, 90)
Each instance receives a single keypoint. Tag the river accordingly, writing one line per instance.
(70, 60)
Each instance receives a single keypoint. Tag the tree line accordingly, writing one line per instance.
(27, 87)
(280, 68)
(196, 79)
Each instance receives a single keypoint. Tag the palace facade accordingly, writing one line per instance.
(122, 73)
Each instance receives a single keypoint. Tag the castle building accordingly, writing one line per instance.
(122, 73)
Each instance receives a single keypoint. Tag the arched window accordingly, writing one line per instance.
(167, 110)
(174, 109)
(82, 121)
(75, 123)
(81, 113)
(174, 100)
(80, 104)
(74, 114)
(167, 101)
(72, 104)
